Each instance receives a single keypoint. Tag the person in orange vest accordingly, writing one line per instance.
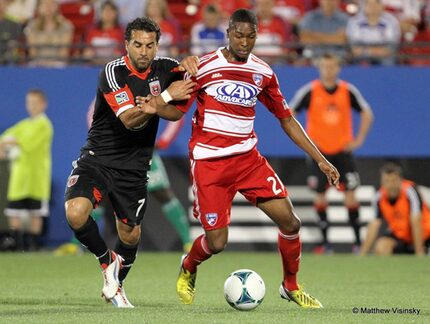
(402, 224)
(330, 103)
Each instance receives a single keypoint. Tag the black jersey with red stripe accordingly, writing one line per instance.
(109, 142)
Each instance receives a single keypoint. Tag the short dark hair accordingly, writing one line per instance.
(38, 92)
(244, 16)
(392, 168)
(145, 24)
(330, 56)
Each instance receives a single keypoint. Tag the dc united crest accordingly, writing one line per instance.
(258, 79)
(211, 218)
(155, 88)
(72, 180)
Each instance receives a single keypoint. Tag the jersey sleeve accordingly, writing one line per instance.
(115, 90)
(272, 98)
(415, 201)
(358, 103)
(302, 98)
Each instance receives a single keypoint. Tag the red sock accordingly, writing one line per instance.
(199, 253)
(290, 247)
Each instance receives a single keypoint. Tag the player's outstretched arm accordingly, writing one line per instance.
(417, 236)
(296, 132)
(372, 234)
(160, 105)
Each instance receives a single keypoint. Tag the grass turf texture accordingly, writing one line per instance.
(41, 288)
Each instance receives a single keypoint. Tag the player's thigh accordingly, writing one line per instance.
(281, 211)
(213, 190)
(257, 180)
(87, 181)
(157, 176)
(349, 177)
(128, 195)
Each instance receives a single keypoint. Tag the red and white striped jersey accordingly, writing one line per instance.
(227, 92)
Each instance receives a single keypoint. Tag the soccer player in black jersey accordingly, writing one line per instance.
(117, 155)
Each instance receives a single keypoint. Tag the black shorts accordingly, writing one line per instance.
(345, 164)
(126, 189)
(23, 207)
(401, 246)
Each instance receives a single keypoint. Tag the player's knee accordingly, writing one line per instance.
(292, 225)
(77, 214)
(131, 238)
(217, 245)
(382, 248)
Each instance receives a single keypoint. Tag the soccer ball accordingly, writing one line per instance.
(244, 289)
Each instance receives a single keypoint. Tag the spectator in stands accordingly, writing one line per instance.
(408, 13)
(128, 9)
(105, 39)
(402, 223)
(209, 34)
(227, 7)
(273, 33)
(29, 187)
(49, 36)
(171, 36)
(81, 14)
(291, 10)
(21, 11)
(373, 34)
(10, 32)
(323, 29)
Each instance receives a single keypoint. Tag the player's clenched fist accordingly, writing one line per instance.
(331, 172)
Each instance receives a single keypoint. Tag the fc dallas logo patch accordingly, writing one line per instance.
(258, 79)
(155, 88)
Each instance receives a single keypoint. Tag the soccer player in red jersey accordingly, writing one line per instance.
(224, 158)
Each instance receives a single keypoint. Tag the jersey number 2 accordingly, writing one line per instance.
(274, 181)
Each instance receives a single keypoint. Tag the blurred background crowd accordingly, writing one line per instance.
(61, 32)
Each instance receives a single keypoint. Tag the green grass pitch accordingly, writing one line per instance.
(41, 288)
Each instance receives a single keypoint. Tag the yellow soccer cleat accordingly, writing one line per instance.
(300, 297)
(68, 249)
(185, 286)
(187, 247)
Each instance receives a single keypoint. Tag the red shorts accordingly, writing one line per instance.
(216, 182)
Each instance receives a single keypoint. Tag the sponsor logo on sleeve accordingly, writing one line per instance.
(211, 218)
(121, 97)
